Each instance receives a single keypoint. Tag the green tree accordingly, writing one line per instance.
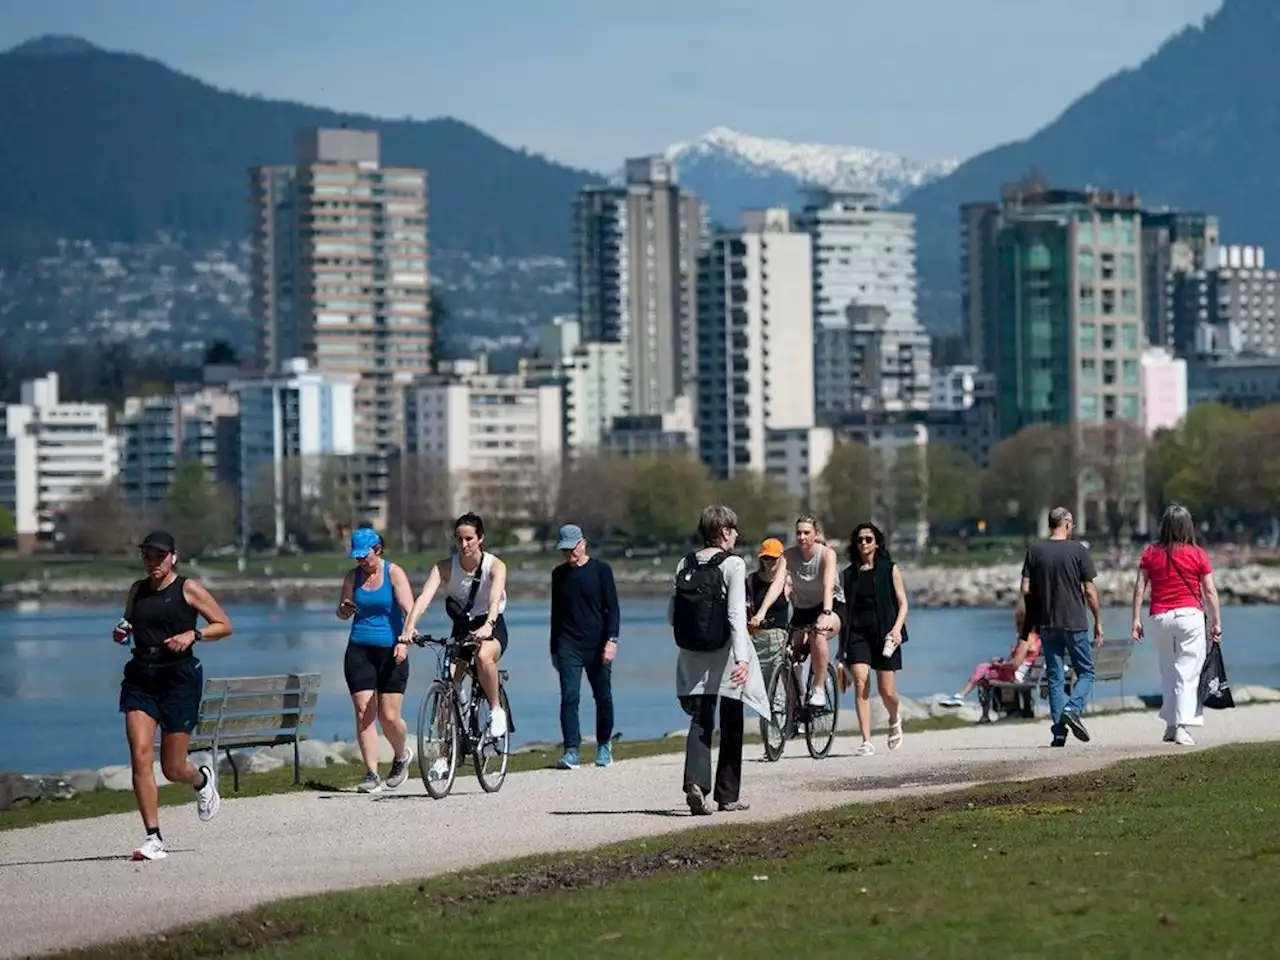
(762, 504)
(934, 483)
(666, 494)
(1029, 473)
(7, 527)
(1203, 464)
(593, 493)
(196, 512)
(847, 487)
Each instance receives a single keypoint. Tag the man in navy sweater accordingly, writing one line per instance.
(584, 637)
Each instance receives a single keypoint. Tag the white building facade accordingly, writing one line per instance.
(755, 341)
(52, 454)
(291, 423)
(592, 377)
(498, 438)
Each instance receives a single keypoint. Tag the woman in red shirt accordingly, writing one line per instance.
(1182, 590)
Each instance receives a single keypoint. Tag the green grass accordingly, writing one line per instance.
(339, 777)
(1165, 858)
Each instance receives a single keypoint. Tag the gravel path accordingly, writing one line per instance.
(68, 884)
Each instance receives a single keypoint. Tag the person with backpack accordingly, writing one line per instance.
(718, 664)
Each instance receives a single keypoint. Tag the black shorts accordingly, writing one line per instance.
(367, 667)
(168, 693)
(463, 627)
(808, 616)
(861, 648)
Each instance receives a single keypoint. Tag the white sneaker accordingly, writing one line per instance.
(955, 700)
(151, 848)
(439, 770)
(819, 697)
(868, 749)
(207, 799)
(1170, 733)
(1182, 738)
(498, 723)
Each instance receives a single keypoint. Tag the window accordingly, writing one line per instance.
(1084, 231)
(1088, 336)
(1038, 257)
(1108, 266)
(1129, 406)
(1128, 267)
(1108, 302)
(1129, 302)
(1131, 373)
(1108, 336)
(1087, 306)
(1109, 406)
(1126, 230)
(1089, 373)
(1088, 406)
(1129, 336)
(1108, 373)
(1084, 264)
(1106, 234)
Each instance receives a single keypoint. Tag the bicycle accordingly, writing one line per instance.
(451, 725)
(789, 710)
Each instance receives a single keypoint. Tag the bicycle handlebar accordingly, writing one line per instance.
(423, 639)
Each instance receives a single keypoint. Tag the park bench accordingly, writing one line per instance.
(1110, 661)
(238, 712)
(1011, 697)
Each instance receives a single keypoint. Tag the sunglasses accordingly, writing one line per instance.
(866, 539)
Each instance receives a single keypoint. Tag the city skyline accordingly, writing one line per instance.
(516, 75)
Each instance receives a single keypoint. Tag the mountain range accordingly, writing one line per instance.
(110, 146)
(733, 171)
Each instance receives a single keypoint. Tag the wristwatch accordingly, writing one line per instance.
(827, 613)
(196, 636)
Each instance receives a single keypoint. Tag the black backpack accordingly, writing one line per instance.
(700, 612)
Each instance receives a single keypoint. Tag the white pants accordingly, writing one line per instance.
(1180, 643)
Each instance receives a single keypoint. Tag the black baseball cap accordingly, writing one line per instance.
(159, 540)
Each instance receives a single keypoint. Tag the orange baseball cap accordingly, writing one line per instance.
(771, 548)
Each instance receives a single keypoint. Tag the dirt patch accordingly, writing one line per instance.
(931, 777)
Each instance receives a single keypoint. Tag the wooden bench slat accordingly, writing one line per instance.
(284, 683)
(267, 702)
(231, 726)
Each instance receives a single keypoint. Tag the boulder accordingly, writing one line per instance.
(257, 761)
(312, 754)
(51, 788)
(1115, 704)
(120, 777)
(83, 781)
(1246, 693)
(351, 751)
(17, 791)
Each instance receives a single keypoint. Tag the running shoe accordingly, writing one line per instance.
(570, 760)
(498, 723)
(207, 799)
(151, 848)
(372, 783)
(604, 755)
(400, 769)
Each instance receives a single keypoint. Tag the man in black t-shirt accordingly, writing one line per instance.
(1057, 580)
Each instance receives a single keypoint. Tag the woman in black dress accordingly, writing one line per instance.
(872, 638)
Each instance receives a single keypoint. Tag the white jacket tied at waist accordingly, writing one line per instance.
(707, 672)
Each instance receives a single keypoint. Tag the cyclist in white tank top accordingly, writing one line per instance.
(475, 585)
(817, 602)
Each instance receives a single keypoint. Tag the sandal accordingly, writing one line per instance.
(895, 733)
(734, 807)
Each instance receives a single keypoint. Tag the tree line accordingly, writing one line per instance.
(1222, 464)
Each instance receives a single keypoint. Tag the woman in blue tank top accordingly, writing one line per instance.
(376, 596)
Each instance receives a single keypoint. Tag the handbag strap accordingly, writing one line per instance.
(1195, 590)
(475, 584)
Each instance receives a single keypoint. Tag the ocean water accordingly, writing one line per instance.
(60, 672)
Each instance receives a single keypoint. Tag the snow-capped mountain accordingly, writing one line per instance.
(732, 171)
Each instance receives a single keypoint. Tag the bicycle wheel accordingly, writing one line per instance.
(820, 727)
(438, 739)
(490, 753)
(775, 730)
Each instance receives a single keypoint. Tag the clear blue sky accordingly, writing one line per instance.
(590, 82)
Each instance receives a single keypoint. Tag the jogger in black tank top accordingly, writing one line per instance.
(163, 682)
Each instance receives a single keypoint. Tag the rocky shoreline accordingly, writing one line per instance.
(19, 790)
(978, 586)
